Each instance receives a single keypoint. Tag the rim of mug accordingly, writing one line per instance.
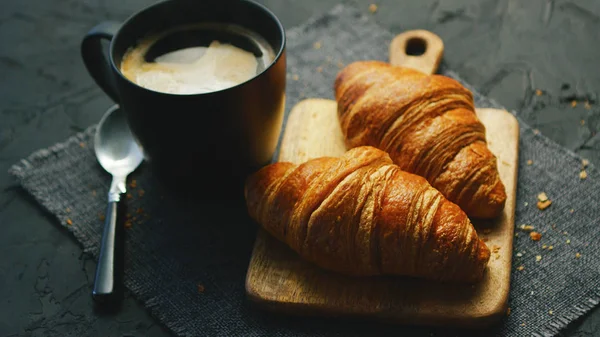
(261, 7)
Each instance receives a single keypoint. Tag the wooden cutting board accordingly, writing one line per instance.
(279, 280)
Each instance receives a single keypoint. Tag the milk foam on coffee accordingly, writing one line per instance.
(191, 70)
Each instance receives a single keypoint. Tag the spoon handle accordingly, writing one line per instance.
(109, 271)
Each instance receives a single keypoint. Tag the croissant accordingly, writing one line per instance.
(361, 215)
(428, 125)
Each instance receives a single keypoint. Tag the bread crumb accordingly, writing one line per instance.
(317, 45)
(538, 92)
(535, 236)
(522, 324)
(133, 183)
(568, 241)
(200, 288)
(565, 233)
(128, 224)
(520, 268)
(542, 196)
(519, 254)
(571, 211)
(527, 228)
(550, 312)
(295, 77)
(582, 122)
(536, 131)
(582, 175)
(573, 103)
(538, 258)
(578, 255)
(69, 222)
(508, 311)
(372, 8)
(550, 247)
(585, 163)
(587, 105)
(526, 203)
(544, 246)
(542, 205)
(529, 162)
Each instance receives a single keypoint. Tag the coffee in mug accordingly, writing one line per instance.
(197, 59)
(196, 136)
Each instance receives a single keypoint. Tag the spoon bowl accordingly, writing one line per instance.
(115, 147)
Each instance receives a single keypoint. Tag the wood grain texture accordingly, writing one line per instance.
(279, 280)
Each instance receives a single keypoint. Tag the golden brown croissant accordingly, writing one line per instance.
(361, 215)
(428, 125)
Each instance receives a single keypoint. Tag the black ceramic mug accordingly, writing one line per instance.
(211, 140)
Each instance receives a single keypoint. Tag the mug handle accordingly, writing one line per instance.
(96, 61)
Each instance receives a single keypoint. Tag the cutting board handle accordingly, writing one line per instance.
(417, 49)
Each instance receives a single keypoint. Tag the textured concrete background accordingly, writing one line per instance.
(506, 48)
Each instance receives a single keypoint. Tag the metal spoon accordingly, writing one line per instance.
(119, 155)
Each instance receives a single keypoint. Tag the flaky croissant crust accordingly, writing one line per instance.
(428, 125)
(361, 215)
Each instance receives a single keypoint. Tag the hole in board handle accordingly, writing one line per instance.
(416, 46)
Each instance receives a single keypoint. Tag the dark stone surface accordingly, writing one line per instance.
(507, 48)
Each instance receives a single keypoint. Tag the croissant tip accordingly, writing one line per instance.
(491, 206)
(484, 252)
(479, 264)
(483, 257)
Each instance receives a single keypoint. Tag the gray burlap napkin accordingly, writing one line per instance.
(186, 262)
